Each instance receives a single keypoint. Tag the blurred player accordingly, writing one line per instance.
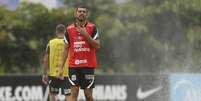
(82, 40)
(51, 63)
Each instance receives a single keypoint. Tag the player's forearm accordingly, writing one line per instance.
(92, 42)
(45, 70)
(65, 55)
(45, 64)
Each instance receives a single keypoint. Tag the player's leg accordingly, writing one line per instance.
(74, 81)
(87, 83)
(88, 94)
(74, 93)
(65, 88)
(53, 88)
(67, 98)
(52, 96)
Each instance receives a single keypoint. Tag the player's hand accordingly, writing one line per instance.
(81, 29)
(60, 72)
(45, 79)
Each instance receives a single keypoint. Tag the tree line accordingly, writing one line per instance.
(136, 35)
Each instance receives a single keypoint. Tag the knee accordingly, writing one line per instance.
(88, 95)
(74, 95)
(74, 92)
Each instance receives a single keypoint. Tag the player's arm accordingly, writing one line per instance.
(93, 40)
(45, 65)
(65, 54)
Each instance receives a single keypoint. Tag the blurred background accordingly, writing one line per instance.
(138, 36)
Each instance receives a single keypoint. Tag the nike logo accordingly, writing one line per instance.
(144, 94)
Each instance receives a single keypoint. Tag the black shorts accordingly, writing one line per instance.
(83, 77)
(55, 84)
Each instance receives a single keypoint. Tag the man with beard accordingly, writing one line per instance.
(82, 40)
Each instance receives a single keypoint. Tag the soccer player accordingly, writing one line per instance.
(51, 63)
(82, 40)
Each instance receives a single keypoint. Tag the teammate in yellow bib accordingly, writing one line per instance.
(51, 63)
(56, 46)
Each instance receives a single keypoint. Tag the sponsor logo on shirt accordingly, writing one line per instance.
(78, 46)
(77, 62)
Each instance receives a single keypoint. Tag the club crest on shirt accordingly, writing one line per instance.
(78, 38)
(73, 77)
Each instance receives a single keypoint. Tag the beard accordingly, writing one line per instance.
(81, 18)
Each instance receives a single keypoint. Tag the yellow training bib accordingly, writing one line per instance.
(55, 57)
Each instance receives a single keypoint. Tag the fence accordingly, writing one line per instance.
(137, 87)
